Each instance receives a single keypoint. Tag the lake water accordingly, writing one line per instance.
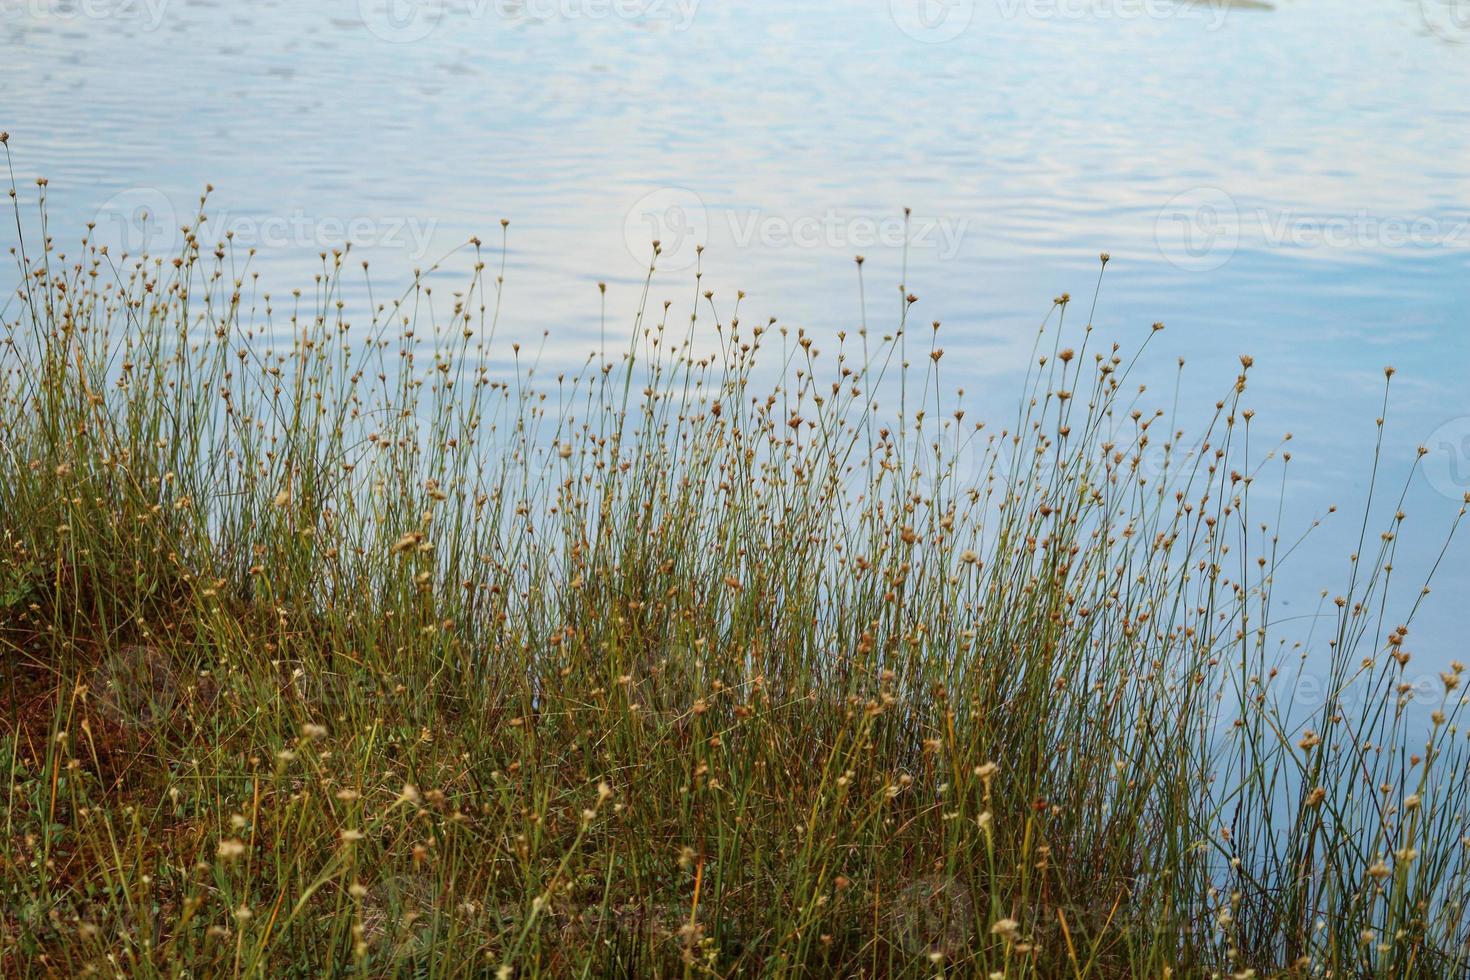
(1290, 180)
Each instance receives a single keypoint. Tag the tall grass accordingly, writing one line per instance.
(352, 641)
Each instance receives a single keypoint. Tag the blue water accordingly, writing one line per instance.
(1291, 182)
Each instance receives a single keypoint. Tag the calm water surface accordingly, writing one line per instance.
(1290, 180)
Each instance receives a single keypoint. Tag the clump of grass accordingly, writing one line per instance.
(342, 641)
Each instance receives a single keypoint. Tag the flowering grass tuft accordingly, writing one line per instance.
(345, 642)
